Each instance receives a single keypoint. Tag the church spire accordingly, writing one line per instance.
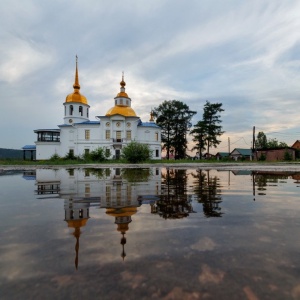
(76, 84)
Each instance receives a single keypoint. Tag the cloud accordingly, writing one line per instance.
(242, 54)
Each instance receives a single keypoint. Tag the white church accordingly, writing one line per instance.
(112, 131)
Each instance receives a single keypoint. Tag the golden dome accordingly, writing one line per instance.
(121, 110)
(76, 223)
(122, 212)
(76, 96)
(122, 94)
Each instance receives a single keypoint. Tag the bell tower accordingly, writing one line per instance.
(76, 105)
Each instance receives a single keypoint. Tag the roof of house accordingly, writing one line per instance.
(222, 154)
(148, 124)
(244, 152)
(29, 147)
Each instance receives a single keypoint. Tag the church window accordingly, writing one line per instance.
(87, 134)
(71, 110)
(86, 151)
(87, 112)
(71, 154)
(157, 153)
(127, 102)
(128, 134)
(116, 102)
(71, 172)
(156, 136)
(65, 110)
(107, 134)
(80, 110)
(121, 101)
(118, 136)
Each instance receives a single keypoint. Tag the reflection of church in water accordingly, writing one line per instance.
(119, 191)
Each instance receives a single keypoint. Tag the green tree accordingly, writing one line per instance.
(174, 118)
(98, 154)
(209, 128)
(199, 135)
(135, 152)
(261, 141)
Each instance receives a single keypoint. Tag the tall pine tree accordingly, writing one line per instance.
(174, 118)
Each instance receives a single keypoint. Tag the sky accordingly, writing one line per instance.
(243, 54)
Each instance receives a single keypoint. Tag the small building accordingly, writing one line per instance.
(208, 156)
(241, 154)
(222, 155)
(275, 154)
(296, 145)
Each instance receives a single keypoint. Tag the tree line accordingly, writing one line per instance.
(174, 117)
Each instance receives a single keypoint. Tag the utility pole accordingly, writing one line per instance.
(228, 145)
(253, 143)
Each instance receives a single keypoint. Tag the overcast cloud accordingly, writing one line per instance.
(244, 54)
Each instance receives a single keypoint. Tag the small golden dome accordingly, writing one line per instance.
(77, 223)
(121, 110)
(76, 96)
(122, 212)
(122, 94)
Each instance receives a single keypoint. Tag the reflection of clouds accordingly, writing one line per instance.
(204, 244)
(179, 293)
(133, 280)
(209, 275)
(15, 261)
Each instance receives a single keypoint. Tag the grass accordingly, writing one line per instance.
(62, 162)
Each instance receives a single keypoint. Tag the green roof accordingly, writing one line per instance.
(243, 152)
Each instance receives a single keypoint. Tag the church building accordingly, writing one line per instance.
(78, 135)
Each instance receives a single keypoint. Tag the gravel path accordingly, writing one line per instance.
(290, 167)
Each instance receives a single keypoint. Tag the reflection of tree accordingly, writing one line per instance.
(207, 192)
(136, 174)
(263, 179)
(99, 173)
(173, 203)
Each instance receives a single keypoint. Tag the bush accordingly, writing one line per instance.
(262, 157)
(287, 156)
(69, 156)
(55, 157)
(136, 152)
(99, 154)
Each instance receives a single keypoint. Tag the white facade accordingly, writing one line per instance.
(112, 131)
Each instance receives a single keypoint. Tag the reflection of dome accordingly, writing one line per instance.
(122, 219)
(121, 212)
(76, 96)
(121, 110)
(76, 223)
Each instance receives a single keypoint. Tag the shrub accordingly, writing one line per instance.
(287, 156)
(99, 154)
(55, 157)
(136, 152)
(262, 157)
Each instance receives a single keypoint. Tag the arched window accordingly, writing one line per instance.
(87, 112)
(121, 101)
(71, 110)
(80, 110)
